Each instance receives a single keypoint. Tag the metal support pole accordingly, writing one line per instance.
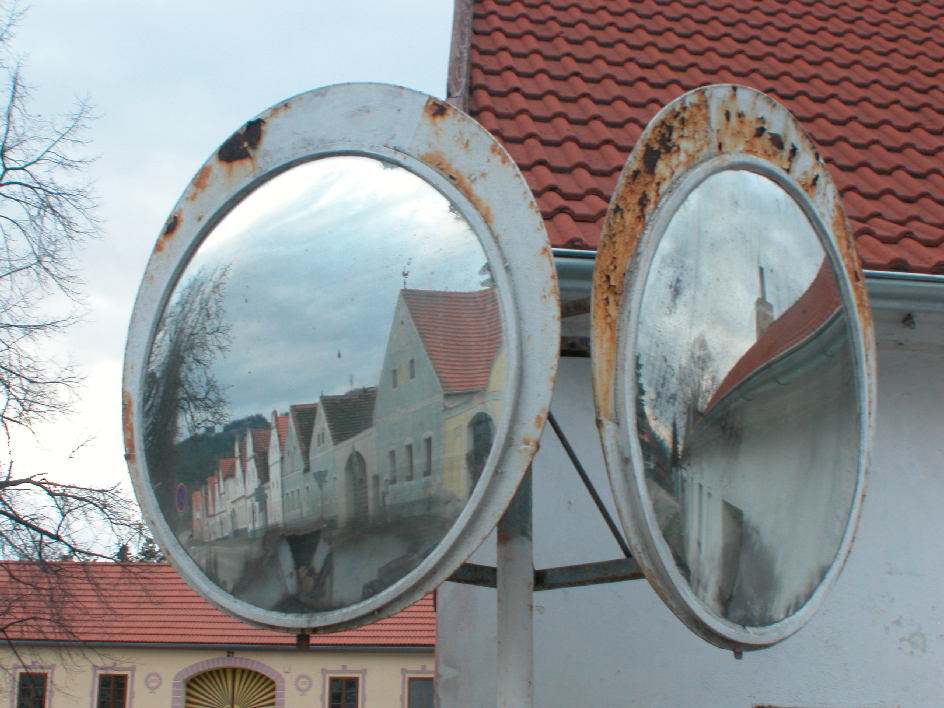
(515, 585)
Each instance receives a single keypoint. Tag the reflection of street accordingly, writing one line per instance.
(318, 570)
(332, 501)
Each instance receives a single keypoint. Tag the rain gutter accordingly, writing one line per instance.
(888, 290)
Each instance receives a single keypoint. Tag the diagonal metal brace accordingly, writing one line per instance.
(601, 507)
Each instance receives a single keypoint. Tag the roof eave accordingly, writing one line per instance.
(191, 646)
(888, 290)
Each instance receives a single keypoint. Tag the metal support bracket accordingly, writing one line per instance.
(570, 576)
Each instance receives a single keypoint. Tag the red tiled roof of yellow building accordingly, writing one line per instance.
(149, 603)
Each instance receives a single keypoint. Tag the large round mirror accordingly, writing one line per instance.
(324, 385)
(740, 395)
(333, 371)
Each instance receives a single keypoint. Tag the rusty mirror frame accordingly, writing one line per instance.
(460, 159)
(700, 134)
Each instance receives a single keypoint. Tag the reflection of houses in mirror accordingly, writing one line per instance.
(404, 455)
(750, 450)
(233, 500)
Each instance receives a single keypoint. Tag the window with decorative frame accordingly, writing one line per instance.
(419, 692)
(343, 692)
(31, 689)
(112, 691)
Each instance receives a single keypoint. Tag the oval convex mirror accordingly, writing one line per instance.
(733, 366)
(328, 398)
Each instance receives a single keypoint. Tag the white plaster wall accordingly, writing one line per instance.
(878, 640)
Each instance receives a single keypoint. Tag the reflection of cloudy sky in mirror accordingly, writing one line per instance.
(704, 282)
(318, 259)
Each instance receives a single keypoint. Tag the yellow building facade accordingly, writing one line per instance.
(108, 635)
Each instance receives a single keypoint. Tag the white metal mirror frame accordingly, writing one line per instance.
(467, 165)
(704, 132)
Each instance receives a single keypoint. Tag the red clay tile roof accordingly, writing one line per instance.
(148, 603)
(814, 308)
(350, 413)
(569, 85)
(461, 332)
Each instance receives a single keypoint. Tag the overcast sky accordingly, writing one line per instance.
(170, 81)
(308, 312)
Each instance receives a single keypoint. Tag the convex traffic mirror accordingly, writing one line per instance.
(328, 397)
(733, 366)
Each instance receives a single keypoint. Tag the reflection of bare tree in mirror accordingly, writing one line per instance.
(181, 393)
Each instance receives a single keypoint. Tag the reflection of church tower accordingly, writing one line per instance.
(763, 310)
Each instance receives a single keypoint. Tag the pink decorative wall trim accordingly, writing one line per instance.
(180, 680)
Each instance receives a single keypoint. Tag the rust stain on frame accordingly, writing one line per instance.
(239, 145)
(170, 228)
(437, 109)
(127, 424)
(664, 149)
(718, 120)
(439, 162)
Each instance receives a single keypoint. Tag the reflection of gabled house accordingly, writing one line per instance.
(256, 467)
(278, 426)
(343, 457)
(438, 398)
(296, 480)
(220, 490)
(237, 490)
(795, 378)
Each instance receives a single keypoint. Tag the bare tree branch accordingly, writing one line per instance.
(47, 212)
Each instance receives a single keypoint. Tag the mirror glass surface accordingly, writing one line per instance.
(324, 385)
(746, 399)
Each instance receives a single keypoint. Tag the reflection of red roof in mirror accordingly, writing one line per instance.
(569, 87)
(281, 425)
(260, 447)
(304, 415)
(350, 413)
(814, 308)
(461, 332)
(121, 603)
(227, 467)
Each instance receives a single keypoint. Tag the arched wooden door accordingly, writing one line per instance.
(481, 435)
(230, 688)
